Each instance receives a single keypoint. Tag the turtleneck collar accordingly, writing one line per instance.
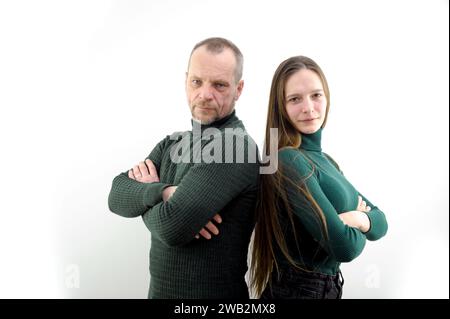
(312, 142)
(219, 123)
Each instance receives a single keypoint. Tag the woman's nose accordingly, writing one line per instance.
(307, 105)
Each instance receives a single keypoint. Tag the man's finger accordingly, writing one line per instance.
(217, 218)
(136, 172)
(205, 234)
(131, 175)
(143, 168)
(212, 228)
(368, 209)
(151, 168)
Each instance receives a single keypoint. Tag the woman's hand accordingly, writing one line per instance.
(357, 218)
(362, 206)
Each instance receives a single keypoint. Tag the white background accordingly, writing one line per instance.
(87, 88)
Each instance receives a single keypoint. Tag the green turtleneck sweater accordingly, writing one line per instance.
(335, 195)
(180, 265)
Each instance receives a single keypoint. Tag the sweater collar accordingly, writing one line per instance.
(312, 142)
(230, 118)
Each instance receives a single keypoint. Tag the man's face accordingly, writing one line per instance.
(211, 86)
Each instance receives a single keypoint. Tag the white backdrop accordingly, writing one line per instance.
(87, 88)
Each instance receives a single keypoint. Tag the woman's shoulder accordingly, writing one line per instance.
(293, 156)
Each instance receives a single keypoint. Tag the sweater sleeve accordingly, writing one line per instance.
(203, 192)
(130, 198)
(344, 243)
(378, 223)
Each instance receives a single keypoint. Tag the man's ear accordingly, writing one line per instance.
(240, 86)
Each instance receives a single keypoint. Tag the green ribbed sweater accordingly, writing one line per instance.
(335, 195)
(180, 265)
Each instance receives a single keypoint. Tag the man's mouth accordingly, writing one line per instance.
(205, 108)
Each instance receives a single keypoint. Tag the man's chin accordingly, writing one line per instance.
(204, 121)
(203, 118)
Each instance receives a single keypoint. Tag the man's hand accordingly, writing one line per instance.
(168, 192)
(145, 172)
(211, 227)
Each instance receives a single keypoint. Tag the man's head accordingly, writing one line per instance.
(213, 79)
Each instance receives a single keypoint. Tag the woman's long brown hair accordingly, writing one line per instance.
(272, 192)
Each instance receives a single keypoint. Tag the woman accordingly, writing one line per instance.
(309, 217)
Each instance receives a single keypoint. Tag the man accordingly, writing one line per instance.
(183, 198)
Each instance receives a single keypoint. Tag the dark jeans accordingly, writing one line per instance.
(296, 284)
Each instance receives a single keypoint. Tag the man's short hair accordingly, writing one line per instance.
(217, 45)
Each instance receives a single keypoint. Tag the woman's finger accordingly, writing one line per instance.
(359, 202)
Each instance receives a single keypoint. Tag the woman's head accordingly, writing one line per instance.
(299, 100)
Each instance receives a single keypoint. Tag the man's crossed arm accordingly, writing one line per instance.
(146, 172)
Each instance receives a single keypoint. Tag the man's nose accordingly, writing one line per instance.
(206, 92)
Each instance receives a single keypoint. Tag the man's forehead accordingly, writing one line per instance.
(208, 71)
(210, 68)
(204, 58)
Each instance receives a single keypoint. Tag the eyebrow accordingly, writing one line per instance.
(218, 80)
(297, 94)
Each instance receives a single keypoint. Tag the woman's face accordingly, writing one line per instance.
(305, 100)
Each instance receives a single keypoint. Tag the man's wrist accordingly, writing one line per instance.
(168, 192)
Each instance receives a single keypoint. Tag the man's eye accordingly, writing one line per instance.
(195, 82)
(220, 85)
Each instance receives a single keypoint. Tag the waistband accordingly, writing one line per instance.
(291, 272)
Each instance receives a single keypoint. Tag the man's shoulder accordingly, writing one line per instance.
(175, 137)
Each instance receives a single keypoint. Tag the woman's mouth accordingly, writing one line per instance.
(308, 120)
